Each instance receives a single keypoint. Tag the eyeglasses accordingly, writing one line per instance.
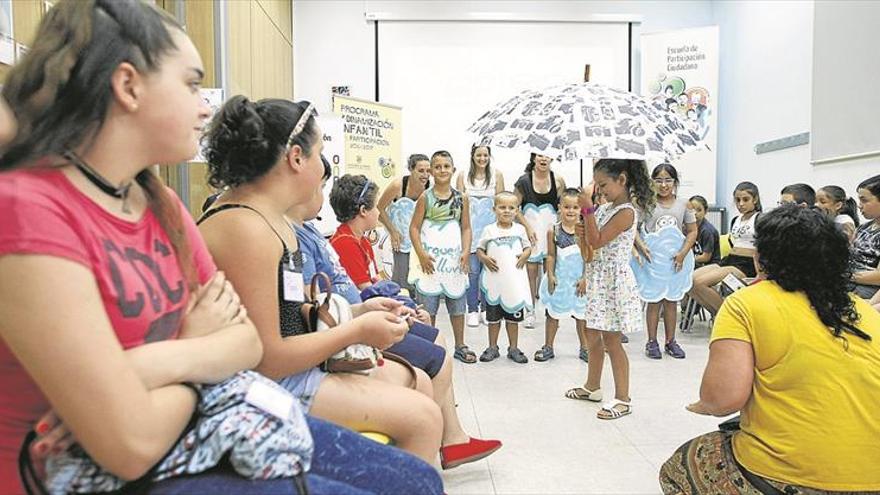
(783, 203)
(664, 181)
(300, 125)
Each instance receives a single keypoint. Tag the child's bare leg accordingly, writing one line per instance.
(494, 330)
(534, 271)
(581, 327)
(652, 319)
(550, 328)
(512, 333)
(597, 359)
(670, 314)
(457, 329)
(619, 364)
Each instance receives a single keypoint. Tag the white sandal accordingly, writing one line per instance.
(612, 411)
(581, 393)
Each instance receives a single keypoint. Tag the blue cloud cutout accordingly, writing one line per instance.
(658, 280)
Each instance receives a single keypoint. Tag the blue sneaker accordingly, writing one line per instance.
(652, 350)
(675, 350)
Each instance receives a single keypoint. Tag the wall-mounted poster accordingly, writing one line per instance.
(7, 41)
(680, 71)
(372, 138)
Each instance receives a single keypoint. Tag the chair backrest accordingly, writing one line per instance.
(724, 239)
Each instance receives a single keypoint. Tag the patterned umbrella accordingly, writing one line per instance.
(587, 120)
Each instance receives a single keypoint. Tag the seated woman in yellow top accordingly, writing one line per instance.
(799, 358)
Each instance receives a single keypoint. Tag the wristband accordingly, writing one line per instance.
(589, 211)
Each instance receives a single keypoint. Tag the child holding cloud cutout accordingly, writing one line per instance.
(504, 250)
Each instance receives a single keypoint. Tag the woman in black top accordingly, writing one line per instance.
(540, 188)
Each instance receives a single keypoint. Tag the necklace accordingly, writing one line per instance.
(100, 182)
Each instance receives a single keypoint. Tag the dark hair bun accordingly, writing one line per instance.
(237, 148)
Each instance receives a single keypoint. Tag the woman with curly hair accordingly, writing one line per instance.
(797, 356)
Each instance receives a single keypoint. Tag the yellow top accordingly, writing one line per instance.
(814, 415)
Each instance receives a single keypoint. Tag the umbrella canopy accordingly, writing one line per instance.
(587, 120)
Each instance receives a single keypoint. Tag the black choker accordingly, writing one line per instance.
(100, 182)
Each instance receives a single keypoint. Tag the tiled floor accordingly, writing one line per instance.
(556, 445)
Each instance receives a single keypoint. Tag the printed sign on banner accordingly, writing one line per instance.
(372, 138)
(334, 151)
(680, 70)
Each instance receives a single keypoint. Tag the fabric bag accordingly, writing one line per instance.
(324, 312)
(247, 419)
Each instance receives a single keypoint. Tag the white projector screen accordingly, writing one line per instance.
(845, 78)
(446, 74)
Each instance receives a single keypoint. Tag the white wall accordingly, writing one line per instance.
(765, 71)
(765, 94)
(333, 42)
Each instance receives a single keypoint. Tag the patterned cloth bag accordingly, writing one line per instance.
(248, 419)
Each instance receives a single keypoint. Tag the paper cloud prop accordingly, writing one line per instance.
(658, 280)
(564, 301)
(541, 218)
(509, 286)
(442, 241)
(481, 217)
(401, 212)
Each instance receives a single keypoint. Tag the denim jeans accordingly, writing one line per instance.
(474, 295)
(344, 463)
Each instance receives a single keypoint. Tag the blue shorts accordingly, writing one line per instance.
(419, 349)
(454, 307)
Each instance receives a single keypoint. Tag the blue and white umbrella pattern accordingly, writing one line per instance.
(586, 120)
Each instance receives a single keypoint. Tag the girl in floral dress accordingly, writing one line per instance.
(613, 304)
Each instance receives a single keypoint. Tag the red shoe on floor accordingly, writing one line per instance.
(462, 453)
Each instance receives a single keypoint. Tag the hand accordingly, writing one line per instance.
(396, 239)
(381, 329)
(522, 260)
(423, 316)
(580, 230)
(551, 283)
(214, 306)
(585, 199)
(426, 261)
(581, 287)
(464, 263)
(489, 263)
(638, 256)
(533, 238)
(52, 438)
(678, 261)
(381, 304)
(698, 408)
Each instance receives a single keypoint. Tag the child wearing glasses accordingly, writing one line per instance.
(441, 235)
(663, 251)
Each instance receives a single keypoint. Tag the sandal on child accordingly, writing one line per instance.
(584, 356)
(490, 354)
(465, 355)
(580, 393)
(544, 353)
(614, 409)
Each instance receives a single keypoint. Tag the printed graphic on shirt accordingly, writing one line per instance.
(157, 291)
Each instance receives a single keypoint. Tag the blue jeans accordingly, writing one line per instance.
(474, 295)
(344, 463)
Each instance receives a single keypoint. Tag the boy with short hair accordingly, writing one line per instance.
(504, 250)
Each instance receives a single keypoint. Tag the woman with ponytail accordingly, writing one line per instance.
(840, 208)
(797, 356)
(111, 302)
